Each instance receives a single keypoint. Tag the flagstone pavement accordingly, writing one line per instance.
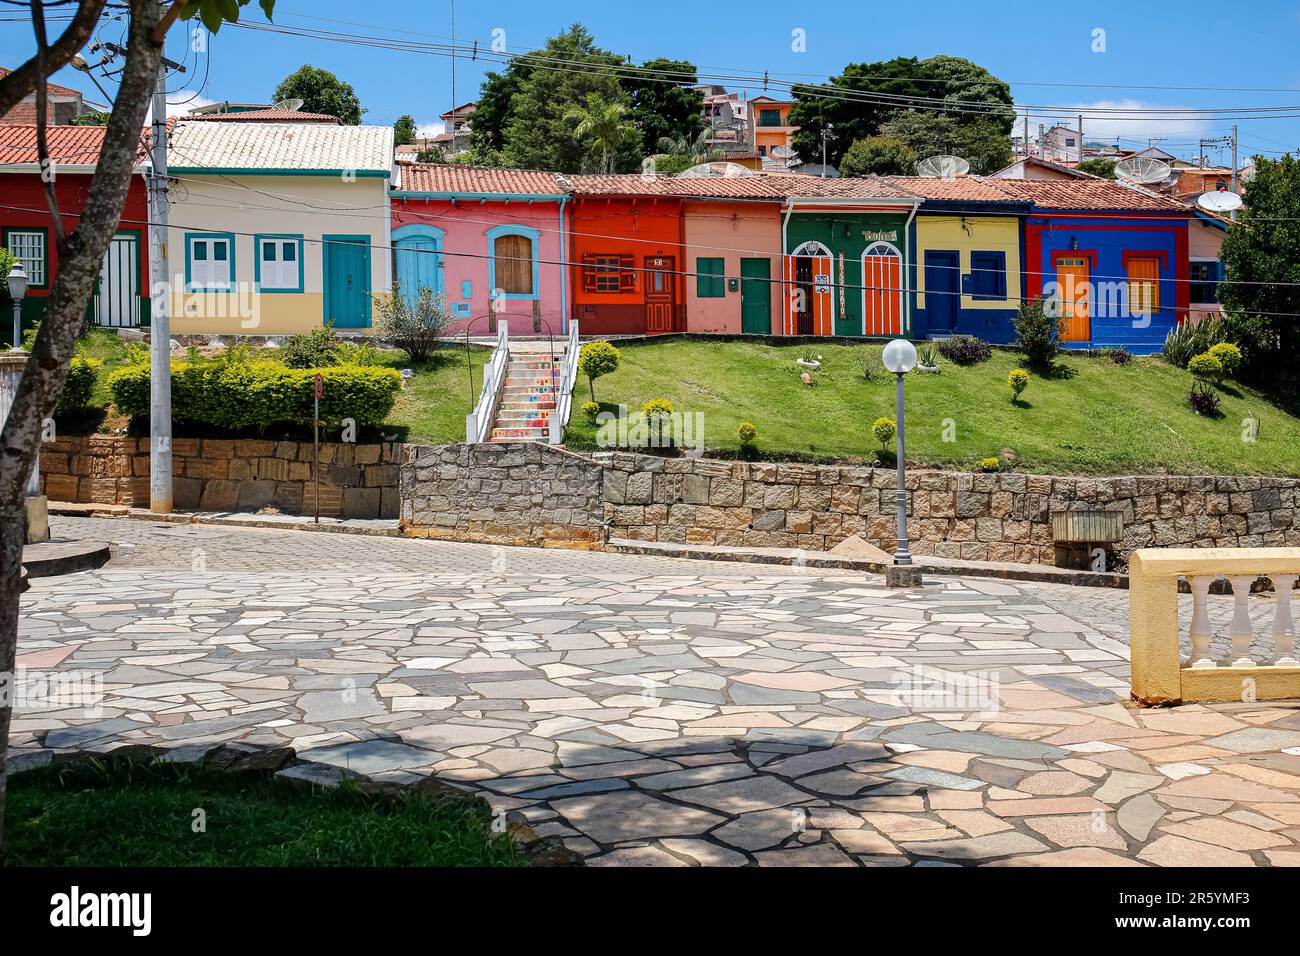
(653, 711)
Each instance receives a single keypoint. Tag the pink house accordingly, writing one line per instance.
(490, 241)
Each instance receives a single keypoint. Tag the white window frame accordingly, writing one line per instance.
(279, 274)
(33, 265)
(209, 274)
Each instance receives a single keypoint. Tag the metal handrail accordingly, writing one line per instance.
(568, 376)
(478, 423)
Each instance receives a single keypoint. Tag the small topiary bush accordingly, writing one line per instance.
(748, 432)
(1206, 367)
(597, 359)
(78, 386)
(884, 429)
(990, 464)
(261, 393)
(1018, 379)
(591, 410)
(1229, 357)
(965, 350)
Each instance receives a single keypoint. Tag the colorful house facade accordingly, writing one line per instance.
(278, 228)
(1114, 258)
(490, 241)
(846, 260)
(627, 253)
(733, 249)
(968, 268)
(121, 296)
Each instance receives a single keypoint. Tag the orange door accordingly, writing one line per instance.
(1073, 280)
(882, 302)
(660, 293)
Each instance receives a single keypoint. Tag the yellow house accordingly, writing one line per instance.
(277, 228)
(968, 266)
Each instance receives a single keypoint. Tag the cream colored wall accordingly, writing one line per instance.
(310, 206)
(945, 232)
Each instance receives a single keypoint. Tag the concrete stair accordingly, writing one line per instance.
(528, 397)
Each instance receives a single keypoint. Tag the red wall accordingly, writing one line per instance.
(630, 226)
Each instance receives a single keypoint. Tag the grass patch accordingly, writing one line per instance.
(1089, 416)
(131, 814)
(432, 407)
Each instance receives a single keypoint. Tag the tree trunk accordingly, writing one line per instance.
(80, 255)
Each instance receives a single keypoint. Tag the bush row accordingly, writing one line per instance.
(243, 394)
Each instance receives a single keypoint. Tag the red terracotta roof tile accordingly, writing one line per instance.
(459, 178)
(960, 188)
(68, 145)
(1087, 194)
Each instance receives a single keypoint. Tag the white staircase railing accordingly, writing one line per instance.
(478, 423)
(568, 376)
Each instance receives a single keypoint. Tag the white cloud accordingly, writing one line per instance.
(182, 101)
(430, 129)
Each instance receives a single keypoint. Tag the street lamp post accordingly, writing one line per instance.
(17, 290)
(900, 358)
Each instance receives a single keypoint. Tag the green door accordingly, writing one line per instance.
(347, 281)
(756, 296)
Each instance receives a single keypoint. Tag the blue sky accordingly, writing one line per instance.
(1044, 49)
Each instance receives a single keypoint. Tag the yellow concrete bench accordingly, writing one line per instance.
(1160, 673)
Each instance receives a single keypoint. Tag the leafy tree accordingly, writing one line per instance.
(879, 156)
(404, 130)
(981, 143)
(597, 359)
(680, 153)
(321, 92)
(1105, 168)
(603, 127)
(492, 109)
(1261, 291)
(82, 243)
(434, 154)
(662, 109)
(536, 133)
(938, 80)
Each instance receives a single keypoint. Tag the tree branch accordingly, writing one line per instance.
(42, 147)
(23, 81)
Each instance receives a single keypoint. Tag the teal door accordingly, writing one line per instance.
(347, 281)
(419, 266)
(756, 296)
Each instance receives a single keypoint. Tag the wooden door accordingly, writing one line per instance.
(1074, 285)
(347, 281)
(660, 293)
(882, 297)
(419, 266)
(756, 296)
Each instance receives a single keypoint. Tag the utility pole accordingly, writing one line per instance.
(1233, 215)
(1042, 145)
(1027, 152)
(1080, 137)
(454, 104)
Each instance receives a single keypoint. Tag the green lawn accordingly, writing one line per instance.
(1099, 418)
(143, 815)
(432, 407)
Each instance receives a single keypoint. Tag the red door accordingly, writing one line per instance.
(660, 293)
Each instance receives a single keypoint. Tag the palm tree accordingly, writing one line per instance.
(603, 126)
(697, 151)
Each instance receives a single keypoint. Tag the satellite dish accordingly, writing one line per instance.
(715, 171)
(942, 167)
(781, 152)
(289, 106)
(1219, 200)
(1142, 169)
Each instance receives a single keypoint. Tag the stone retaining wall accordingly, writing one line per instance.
(982, 517)
(357, 480)
(519, 494)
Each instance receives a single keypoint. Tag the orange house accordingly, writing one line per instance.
(626, 256)
(773, 134)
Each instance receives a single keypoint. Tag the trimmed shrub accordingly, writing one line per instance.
(1019, 381)
(258, 394)
(884, 430)
(591, 410)
(657, 409)
(1206, 367)
(990, 464)
(965, 350)
(748, 432)
(1037, 333)
(1229, 357)
(597, 359)
(78, 386)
